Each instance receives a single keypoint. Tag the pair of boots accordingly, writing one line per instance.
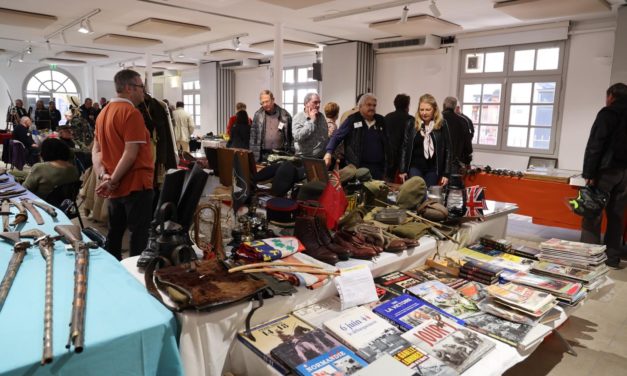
(318, 242)
(376, 236)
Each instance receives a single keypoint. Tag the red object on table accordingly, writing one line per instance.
(5, 136)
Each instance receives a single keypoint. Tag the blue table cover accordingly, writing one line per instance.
(127, 332)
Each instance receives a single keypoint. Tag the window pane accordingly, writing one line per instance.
(189, 85)
(43, 75)
(523, 60)
(197, 121)
(288, 76)
(58, 76)
(288, 96)
(492, 93)
(70, 87)
(490, 114)
(474, 63)
(197, 85)
(188, 99)
(302, 74)
(521, 92)
(300, 97)
(472, 93)
(289, 107)
(488, 134)
(310, 74)
(472, 111)
(197, 109)
(542, 116)
(494, 61)
(519, 115)
(189, 109)
(33, 84)
(196, 98)
(540, 138)
(517, 137)
(544, 92)
(548, 58)
(474, 137)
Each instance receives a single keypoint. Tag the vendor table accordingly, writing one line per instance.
(127, 332)
(545, 201)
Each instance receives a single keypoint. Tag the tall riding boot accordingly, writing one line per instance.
(326, 240)
(305, 231)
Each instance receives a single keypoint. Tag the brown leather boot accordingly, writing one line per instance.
(305, 231)
(357, 250)
(326, 240)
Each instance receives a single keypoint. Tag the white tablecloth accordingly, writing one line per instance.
(207, 338)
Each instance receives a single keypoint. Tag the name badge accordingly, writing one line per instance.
(357, 124)
(281, 125)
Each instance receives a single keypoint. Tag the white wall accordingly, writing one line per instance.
(339, 74)
(587, 78)
(248, 84)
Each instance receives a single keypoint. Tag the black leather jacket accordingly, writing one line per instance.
(599, 151)
(258, 132)
(441, 141)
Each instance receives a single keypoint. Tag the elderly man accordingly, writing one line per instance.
(123, 161)
(183, 127)
(460, 137)
(271, 128)
(365, 141)
(88, 112)
(311, 133)
(22, 134)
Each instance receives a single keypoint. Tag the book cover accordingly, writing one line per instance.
(271, 334)
(316, 314)
(482, 268)
(473, 290)
(406, 312)
(426, 273)
(525, 251)
(485, 249)
(525, 298)
(478, 278)
(506, 331)
(559, 287)
(302, 347)
(444, 297)
(396, 282)
(452, 344)
(367, 333)
(569, 272)
(338, 361)
(423, 363)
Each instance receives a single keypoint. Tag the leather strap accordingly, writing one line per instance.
(33, 211)
(249, 317)
(150, 281)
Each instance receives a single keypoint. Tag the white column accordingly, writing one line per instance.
(277, 64)
(148, 58)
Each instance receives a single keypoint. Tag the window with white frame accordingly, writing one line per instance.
(50, 84)
(297, 82)
(512, 96)
(191, 100)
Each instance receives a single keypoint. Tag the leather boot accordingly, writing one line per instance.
(305, 231)
(360, 239)
(326, 240)
(357, 250)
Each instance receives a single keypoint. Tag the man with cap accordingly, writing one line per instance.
(311, 133)
(365, 142)
(271, 128)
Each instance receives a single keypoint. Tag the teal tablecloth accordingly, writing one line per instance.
(127, 332)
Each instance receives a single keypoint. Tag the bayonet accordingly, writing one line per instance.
(28, 204)
(22, 215)
(19, 251)
(47, 208)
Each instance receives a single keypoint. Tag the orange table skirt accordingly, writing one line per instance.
(546, 202)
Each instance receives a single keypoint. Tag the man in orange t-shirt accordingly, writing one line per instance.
(124, 163)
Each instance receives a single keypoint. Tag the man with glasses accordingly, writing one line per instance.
(123, 160)
(311, 133)
(271, 128)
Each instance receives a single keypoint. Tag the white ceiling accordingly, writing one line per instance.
(232, 17)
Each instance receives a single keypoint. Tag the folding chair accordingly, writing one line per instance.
(17, 154)
(64, 197)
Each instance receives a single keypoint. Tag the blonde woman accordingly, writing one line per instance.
(426, 145)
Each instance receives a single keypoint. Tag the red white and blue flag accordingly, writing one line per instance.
(333, 199)
(475, 201)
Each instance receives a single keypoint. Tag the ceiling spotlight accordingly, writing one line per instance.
(85, 27)
(404, 14)
(29, 50)
(21, 59)
(434, 9)
(236, 43)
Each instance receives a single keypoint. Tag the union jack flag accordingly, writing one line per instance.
(475, 201)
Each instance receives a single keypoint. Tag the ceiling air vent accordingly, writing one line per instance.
(429, 42)
(240, 64)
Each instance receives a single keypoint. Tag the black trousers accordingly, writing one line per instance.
(133, 212)
(613, 181)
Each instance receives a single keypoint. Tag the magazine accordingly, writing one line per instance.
(396, 282)
(423, 363)
(506, 331)
(444, 297)
(454, 345)
(338, 361)
(524, 298)
(573, 247)
(406, 312)
(426, 273)
(566, 290)
(568, 272)
(472, 290)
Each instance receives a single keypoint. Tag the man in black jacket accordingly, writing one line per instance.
(460, 138)
(365, 142)
(605, 166)
(395, 124)
(271, 128)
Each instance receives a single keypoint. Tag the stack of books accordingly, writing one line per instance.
(480, 271)
(529, 301)
(445, 298)
(575, 261)
(567, 292)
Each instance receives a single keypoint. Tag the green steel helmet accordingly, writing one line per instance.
(590, 201)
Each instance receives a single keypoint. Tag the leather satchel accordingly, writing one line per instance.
(201, 285)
